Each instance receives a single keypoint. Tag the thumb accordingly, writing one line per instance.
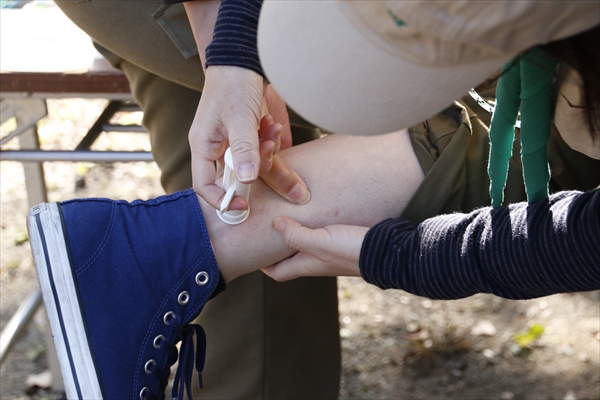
(295, 235)
(246, 158)
(244, 146)
(294, 267)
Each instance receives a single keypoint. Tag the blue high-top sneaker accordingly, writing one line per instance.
(121, 282)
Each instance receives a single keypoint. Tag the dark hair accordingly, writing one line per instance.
(582, 52)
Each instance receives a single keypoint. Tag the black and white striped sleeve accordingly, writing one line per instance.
(235, 36)
(517, 252)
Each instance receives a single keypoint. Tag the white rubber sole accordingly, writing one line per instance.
(62, 302)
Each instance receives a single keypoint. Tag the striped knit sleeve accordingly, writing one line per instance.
(235, 36)
(517, 252)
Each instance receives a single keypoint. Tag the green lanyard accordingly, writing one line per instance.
(525, 84)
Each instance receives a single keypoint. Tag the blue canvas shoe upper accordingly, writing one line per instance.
(144, 270)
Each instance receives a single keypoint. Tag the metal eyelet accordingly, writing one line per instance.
(158, 341)
(184, 298)
(148, 365)
(169, 317)
(202, 278)
(143, 393)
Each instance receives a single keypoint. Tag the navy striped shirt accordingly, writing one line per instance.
(518, 252)
(235, 36)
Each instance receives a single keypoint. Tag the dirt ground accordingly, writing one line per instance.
(395, 345)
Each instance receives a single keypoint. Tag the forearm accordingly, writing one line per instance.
(514, 252)
(353, 181)
(202, 15)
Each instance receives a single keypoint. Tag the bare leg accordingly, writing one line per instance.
(353, 181)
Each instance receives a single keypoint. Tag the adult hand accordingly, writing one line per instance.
(229, 114)
(330, 251)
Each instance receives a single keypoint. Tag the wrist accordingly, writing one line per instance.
(202, 16)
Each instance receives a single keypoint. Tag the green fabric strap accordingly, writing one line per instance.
(502, 128)
(526, 84)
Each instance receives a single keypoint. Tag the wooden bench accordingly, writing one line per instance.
(44, 55)
(23, 96)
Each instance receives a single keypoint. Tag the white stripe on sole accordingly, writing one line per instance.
(62, 303)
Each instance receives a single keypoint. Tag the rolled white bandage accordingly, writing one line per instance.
(232, 188)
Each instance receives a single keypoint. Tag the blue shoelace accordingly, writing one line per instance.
(187, 360)
(183, 376)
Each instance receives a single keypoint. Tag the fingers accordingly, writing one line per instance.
(273, 170)
(303, 263)
(294, 267)
(203, 176)
(228, 115)
(299, 237)
(277, 108)
(330, 251)
(270, 141)
(269, 130)
(267, 150)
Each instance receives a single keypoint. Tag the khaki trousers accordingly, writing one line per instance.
(266, 340)
(452, 148)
